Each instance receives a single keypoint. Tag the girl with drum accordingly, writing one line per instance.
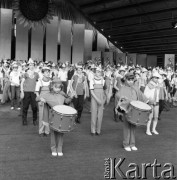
(97, 101)
(42, 87)
(55, 97)
(127, 94)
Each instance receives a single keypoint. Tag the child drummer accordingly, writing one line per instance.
(55, 97)
(127, 94)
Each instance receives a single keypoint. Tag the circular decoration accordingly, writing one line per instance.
(33, 12)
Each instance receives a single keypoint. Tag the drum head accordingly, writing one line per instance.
(62, 109)
(140, 105)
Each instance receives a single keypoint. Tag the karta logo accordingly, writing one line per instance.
(113, 170)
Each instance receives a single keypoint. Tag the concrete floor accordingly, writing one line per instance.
(26, 156)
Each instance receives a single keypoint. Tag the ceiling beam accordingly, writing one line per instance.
(142, 38)
(97, 3)
(152, 41)
(139, 32)
(134, 15)
(139, 24)
(109, 26)
(125, 8)
(140, 35)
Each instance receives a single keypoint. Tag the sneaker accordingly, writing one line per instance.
(127, 148)
(155, 132)
(149, 133)
(12, 108)
(134, 148)
(60, 154)
(54, 154)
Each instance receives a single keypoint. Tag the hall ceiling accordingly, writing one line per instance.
(138, 26)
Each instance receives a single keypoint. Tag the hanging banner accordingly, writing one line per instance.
(142, 60)
(78, 43)
(131, 59)
(88, 41)
(151, 61)
(169, 61)
(120, 58)
(37, 43)
(96, 56)
(65, 40)
(5, 33)
(107, 58)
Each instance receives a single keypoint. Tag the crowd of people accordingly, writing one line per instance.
(46, 84)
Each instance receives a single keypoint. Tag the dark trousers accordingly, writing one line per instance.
(29, 98)
(78, 104)
(15, 92)
(161, 106)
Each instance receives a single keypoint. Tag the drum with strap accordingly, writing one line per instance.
(138, 113)
(63, 118)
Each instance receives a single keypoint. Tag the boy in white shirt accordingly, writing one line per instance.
(15, 77)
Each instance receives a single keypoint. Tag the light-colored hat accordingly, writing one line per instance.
(121, 69)
(162, 72)
(63, 65)
(46, 68)
(144, 70)
(156, 74)
(30, 61)
(93, 66)
(138, 72)
(14, 64)
(98, 68)
(79, 66)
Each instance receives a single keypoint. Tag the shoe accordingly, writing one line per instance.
(54, 153)
(78, 120)
(19, 108)
(98, 134)
(35, 123)
(127, 148)
(24, 123)
(134, 148)
(44, 135)
(60, 154)
(149, 133)
(12, 108)
(155, 132)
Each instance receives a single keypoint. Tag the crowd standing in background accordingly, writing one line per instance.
(25, 83)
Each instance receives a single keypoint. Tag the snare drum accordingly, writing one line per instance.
(138, 113)
(63, 118)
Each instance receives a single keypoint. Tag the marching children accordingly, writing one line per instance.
(42, 87)
(97, 101)
(15, 77)
(53, 98)
(28, 95)
(152, 93)
(80, 89)
(127, 94)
